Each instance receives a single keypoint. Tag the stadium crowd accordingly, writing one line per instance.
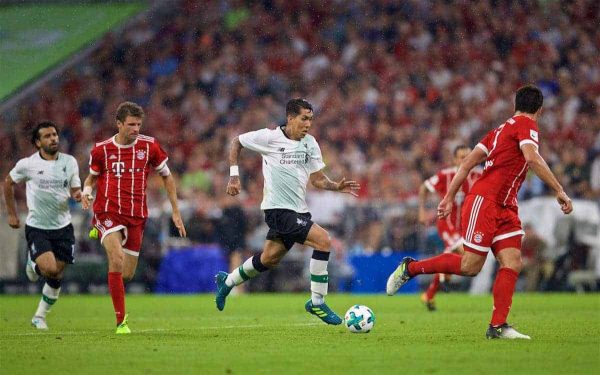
(396, 86)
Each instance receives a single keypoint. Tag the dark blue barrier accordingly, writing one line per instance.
(371, 273)
(190, 270)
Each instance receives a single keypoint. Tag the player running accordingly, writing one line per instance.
(291, 158)
(120, 165)
(490, 218)
(51, 179)
(448, 227)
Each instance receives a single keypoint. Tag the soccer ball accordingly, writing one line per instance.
(359, 319)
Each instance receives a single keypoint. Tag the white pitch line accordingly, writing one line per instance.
(80, 333)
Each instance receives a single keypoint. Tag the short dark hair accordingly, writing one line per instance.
(529, 99)
(35, 132)
(294, 106)
(129, 109)
(458, 148)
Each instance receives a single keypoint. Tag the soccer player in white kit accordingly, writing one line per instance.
(51, 179)
(291, 158)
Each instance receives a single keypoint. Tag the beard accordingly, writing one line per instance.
(50, 150)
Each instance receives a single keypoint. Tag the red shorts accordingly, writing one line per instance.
(131, 227)
(488, 226)
(449, 234)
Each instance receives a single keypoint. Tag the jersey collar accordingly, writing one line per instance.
(285, 135)
(114, 141)
(44, 159)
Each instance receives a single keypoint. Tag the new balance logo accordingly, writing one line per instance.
(41, 172)
(282, 149)
(301, 222)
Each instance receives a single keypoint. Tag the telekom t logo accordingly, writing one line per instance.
(118, 167)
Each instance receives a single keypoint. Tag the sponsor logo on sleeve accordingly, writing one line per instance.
(533, 135)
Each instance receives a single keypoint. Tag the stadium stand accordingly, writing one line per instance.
(396, 85)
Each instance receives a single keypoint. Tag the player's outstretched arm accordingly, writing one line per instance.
(88, 187)
(321, 181)
(11, 205)
(234, 186)
(171, 188)
(475, 157)
(539, 166)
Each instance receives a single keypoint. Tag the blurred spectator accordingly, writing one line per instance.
(536, 267)
(231, 232)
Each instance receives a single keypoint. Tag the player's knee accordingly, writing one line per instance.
(115, 264)
(515, 264)
(51, 271)
(270, 262)
(128, 276)
(470, 269)
(324, 243)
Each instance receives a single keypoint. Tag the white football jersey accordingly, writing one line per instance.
(48, 188)
(287, 165)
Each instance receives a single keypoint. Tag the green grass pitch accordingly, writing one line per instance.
(271, 333)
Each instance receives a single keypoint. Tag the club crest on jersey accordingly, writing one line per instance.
(478, 237)
(141, 154)
(108, 223)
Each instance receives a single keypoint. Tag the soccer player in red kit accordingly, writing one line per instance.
(448, 227)
(490, 218)
(120, 167)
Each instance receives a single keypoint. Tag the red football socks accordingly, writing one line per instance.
(444, 263)
(504, 288)
(117, 293)
(433, 287)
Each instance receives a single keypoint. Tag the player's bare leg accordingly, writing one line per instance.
(48, 266)
(52, 270)
(467, 265)
(130, 263)
(235, 260)
(319, 240)
(116, 260)
(504, 288)
(272, 253)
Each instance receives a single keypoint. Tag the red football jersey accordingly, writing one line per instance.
(505, 166)
(123, 174)
(440, 182)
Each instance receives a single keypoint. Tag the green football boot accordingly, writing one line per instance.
(222, 289)
(123, 328)
(323, 312)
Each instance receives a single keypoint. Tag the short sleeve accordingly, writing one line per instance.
(316, 160)
(19, 172)
(486, 144)
(527, 133)
(75, 180)
(96, 161)
(158, 157)
(256, 140)
(434, 182)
